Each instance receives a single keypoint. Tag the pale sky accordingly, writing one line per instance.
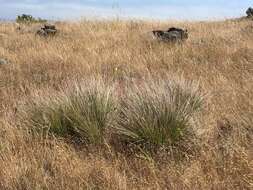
(140, 9)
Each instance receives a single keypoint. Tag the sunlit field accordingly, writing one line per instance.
(104, 105)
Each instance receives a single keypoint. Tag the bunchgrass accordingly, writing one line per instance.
(83, 111)
(158, 113)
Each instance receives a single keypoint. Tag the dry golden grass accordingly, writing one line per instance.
(219, 55)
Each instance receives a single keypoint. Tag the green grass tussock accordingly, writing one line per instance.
(158, 113)
(83, 110)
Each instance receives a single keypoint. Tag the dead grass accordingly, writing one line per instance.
(218, 55)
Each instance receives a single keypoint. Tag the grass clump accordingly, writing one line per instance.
(158, 113)
(83, 111)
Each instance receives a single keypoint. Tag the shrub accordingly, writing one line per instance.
(24, 18)
(83, 111)
(41, 20)
(158, 113)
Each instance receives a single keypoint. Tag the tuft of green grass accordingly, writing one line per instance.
(158, 113)
(84, 111)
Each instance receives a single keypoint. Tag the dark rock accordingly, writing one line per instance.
(50, 32)
(49, 27)
(171, 35)
(249, 12)
(47, 30)
(41, 32)
(3, 62)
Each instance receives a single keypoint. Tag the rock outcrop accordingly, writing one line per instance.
(171, 35)
(47, 30)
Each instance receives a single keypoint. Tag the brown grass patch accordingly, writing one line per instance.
(217, 54)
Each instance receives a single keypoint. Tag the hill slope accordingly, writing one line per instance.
(218, 55)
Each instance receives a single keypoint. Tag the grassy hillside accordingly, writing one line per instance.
(105, 106)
